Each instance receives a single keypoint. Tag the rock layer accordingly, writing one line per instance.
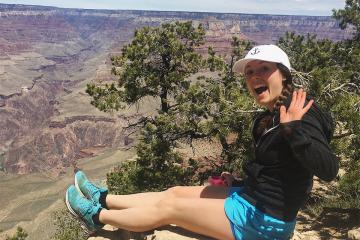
(48, 55)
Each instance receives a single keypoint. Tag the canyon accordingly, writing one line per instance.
(48, 55)
(47, 125)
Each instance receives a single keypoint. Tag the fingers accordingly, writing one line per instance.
(308, 106)
(228, 178)
(303, 98)
(299, 98)
(282, 113)
(297, 107)
(293, 100)
(224, 174)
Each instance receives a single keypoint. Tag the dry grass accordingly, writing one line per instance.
(28, 200)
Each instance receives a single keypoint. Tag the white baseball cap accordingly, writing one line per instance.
(269, 53)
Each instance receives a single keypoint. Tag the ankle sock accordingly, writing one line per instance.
(96, 218)
(102, 199)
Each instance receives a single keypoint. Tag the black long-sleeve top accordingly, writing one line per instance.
(287, 155)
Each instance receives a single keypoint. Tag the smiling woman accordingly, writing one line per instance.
(267, 70)
(291, 146)
(264, 80)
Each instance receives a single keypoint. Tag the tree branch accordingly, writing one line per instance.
(142, 121)
(341, 135)
(341, 87)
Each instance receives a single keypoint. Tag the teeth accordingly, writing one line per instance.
(260, 89)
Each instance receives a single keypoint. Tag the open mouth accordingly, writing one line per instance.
(259, 90)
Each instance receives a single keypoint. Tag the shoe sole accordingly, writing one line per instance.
(78, 218)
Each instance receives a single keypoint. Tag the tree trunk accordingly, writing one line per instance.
(164, 102)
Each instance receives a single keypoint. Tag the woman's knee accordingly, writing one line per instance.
(174, 192)
(185, 191)
(167, 209)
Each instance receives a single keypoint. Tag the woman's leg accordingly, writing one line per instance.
(201, 215)
(152, 198)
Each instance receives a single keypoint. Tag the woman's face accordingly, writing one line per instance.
(264, 81)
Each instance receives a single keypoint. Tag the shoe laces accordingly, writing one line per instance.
(85, 206)
(92, 189)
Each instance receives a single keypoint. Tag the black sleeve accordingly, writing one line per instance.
(307, 140)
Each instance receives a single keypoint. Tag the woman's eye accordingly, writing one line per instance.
(265, 68)
(249, 73)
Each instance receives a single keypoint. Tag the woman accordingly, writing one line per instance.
(291, 145)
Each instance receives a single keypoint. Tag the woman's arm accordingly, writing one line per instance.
(309, 145)
(301, 127)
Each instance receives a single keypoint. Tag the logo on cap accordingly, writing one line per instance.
(255, 51)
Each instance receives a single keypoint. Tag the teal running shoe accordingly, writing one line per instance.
(88, 189)
(83, 209)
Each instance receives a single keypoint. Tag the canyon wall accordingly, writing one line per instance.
(48, 55)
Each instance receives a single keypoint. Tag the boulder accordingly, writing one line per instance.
(354, 234)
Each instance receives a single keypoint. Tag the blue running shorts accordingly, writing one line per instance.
(247, 222)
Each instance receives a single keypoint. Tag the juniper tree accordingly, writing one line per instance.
(350, 15)
(228, 108)
(349, 55)
(156, 63)
(329, 72)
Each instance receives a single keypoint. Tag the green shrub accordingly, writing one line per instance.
(67, 227)
(120, 180)
(337, 200)
(155, 169)
(19, 235)
(2, 158)
(349, 184)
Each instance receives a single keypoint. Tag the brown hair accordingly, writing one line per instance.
(285, 93)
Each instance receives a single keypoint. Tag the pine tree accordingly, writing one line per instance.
(350, 15)
(156, 63)
(330, 72)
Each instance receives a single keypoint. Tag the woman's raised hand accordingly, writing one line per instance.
(296, 109)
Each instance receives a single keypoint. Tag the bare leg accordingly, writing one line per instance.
(201, 215)
(152, 198)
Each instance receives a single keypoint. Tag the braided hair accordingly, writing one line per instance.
(285, 93)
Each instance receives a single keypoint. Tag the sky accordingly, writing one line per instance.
(283, 7)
